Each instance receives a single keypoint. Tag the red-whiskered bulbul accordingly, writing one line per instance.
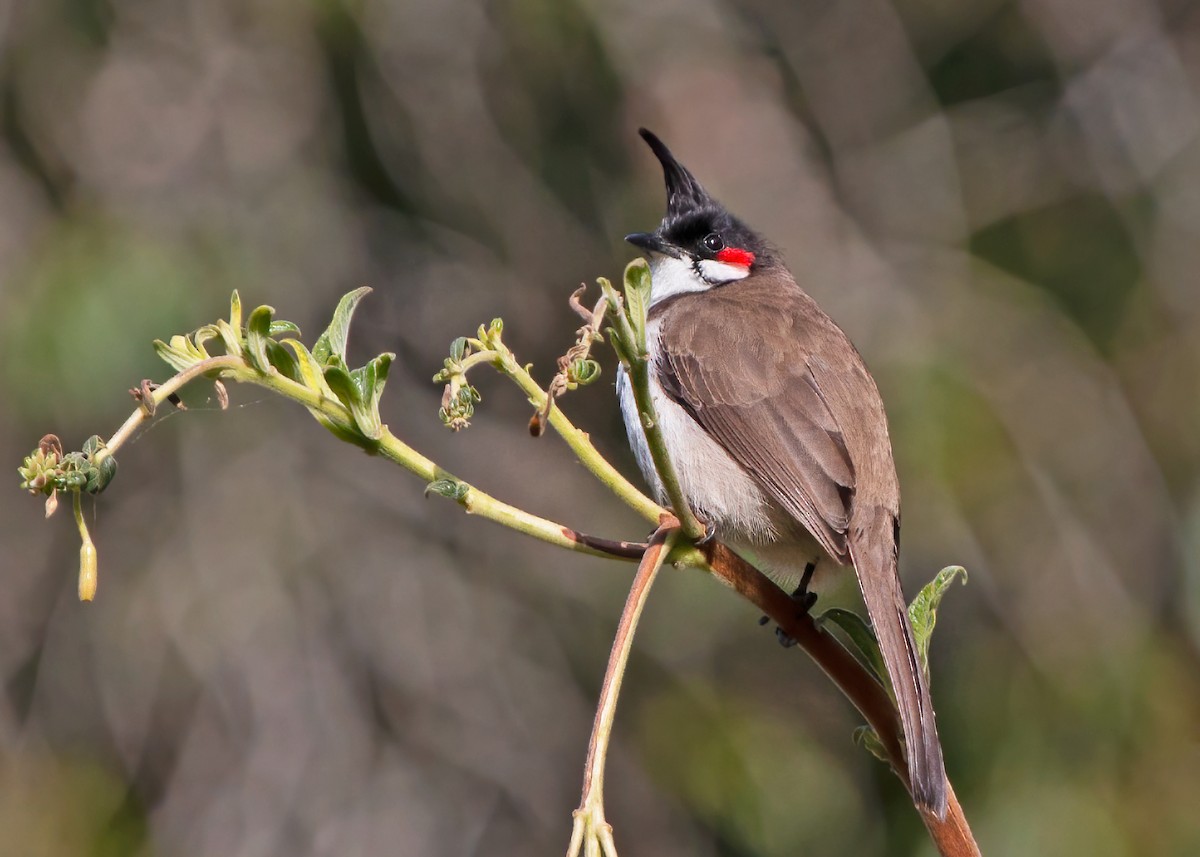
(776, 430)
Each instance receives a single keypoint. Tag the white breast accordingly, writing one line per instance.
(716, 486)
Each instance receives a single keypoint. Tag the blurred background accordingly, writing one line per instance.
(293, 653)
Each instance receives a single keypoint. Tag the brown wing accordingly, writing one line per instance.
(749, 381)
(773, 380)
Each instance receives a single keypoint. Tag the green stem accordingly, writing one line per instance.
(474, 501)
(87, 553)
(579, 441)
(162, 393)
(639, 376)
(637, 364)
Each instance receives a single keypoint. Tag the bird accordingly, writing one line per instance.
(776, 430)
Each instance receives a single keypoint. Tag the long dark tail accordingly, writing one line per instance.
(873, 549)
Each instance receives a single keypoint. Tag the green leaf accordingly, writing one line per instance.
(102, 474)
(583, 371)
(621, 333)
(235, 310)
(258, 330)
(332, 343)
(204, 334)
(279, 326)
(342, 385)
(232, 337)
(310, 373)
(366, 417)
(637, 300)
(862, 637)
(281, 359)
(96, 473)
(865, 737)
(379, 368)
(449, 488)
(369, 381)
(458, 349)
(922, 613)
(181, 353)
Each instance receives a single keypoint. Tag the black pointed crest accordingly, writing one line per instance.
(684, 193)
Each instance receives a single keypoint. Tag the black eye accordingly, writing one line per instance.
(713, 242)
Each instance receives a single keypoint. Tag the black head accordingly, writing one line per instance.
(696, 224)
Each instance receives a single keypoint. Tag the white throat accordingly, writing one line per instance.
(670, 276)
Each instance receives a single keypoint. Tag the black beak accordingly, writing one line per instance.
(652, 243)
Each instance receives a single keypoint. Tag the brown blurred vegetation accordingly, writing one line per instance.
(293, 653)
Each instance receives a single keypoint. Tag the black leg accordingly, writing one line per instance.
(805, 599)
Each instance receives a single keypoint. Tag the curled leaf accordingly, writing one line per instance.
(258, 331)
(583, 372)
(922, 613)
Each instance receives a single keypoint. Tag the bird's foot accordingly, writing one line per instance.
(806, 601)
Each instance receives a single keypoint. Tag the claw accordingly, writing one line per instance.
(710, 533)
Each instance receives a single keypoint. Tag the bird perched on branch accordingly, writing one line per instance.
(776, 430)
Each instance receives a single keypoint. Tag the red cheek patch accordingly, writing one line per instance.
(736, 256)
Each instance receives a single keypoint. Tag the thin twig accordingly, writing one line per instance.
(163, 392)
(609, 547)
(589, 818)
(579, 441)
(579, 353)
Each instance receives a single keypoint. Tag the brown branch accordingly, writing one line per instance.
(621, 549)
(951, 835)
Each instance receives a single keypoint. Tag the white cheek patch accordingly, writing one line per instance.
(670, 276)
(722, 272)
